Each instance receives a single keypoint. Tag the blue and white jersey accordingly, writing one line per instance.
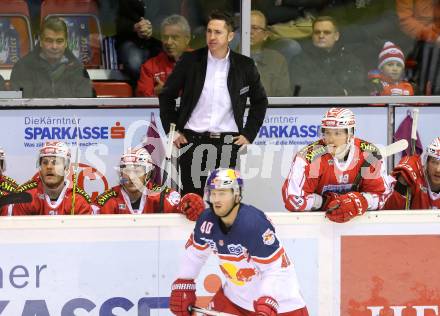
(250, 256)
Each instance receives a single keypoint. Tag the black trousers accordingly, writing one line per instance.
(204, 153)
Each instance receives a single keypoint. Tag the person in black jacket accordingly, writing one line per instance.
(214, 83)
(325, 67)
(137, 31)
(51, 70)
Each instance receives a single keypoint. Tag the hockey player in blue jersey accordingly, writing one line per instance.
(260, 278)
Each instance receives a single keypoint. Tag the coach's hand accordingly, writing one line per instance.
(179, 140)
(183, 295)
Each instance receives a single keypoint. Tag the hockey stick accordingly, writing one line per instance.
(14, 198)
(207, 311)
(380, 153)
(415, 117)
(384, 152)
(75, 169)
(167, 165)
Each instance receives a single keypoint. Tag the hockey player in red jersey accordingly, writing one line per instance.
(422, 176)
(7, 185)
(137, 194)
(50, 191)
(340, 174)
(260, 278)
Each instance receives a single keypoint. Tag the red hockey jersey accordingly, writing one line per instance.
(314, 172)
(421, 195)
(7, 185)
(42, 205)
(117, 201)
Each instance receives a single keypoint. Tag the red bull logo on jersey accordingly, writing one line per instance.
(238, 276)
(268, 237)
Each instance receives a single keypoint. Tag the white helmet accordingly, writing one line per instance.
(55, 149)
(223, 178)
(338, 118)
(2, 160)
(433, 150)
(137, 156)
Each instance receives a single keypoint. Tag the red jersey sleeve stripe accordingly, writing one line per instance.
(276, 255)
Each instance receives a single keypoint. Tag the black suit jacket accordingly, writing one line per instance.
(188, 78)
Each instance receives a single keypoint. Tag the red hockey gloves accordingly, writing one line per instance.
(327, 198)
(191, 205)
(346, 206)
(407, 169)
(266, 306)
(183, 295)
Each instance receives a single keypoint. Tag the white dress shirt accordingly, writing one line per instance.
(213, 111)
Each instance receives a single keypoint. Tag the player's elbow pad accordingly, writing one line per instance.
(295, 203)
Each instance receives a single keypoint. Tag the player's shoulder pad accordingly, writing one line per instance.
(365, 146)
(83, 193)
(8, 185)
(31, 184)
(158, 188)
(313, 151)
(10, 180)
(105, 196)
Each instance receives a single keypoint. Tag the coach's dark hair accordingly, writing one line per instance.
(224, 16)
(55, 24)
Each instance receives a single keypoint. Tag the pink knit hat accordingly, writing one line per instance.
(391, 52)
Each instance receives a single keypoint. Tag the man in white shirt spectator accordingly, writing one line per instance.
(214, 83)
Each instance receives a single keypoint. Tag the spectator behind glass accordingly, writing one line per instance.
(51, 70)
(175, 36)
(366, 25)
(388, 79)
(288, 11)
(271, 65)
(420, 20)
(137, 26)
(326, 68)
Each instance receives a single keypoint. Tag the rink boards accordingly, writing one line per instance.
(384, 262)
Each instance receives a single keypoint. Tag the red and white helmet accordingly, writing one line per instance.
(137, 156)
(55, 149)
(338, 118)
(2, 160)
(433, 150)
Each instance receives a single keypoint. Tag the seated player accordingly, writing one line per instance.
(137, 194)
(7, 185)
(260, 278)
(51, 191)
(422, 176)
(340, 174)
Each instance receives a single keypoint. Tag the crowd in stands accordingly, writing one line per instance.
(301, 48)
